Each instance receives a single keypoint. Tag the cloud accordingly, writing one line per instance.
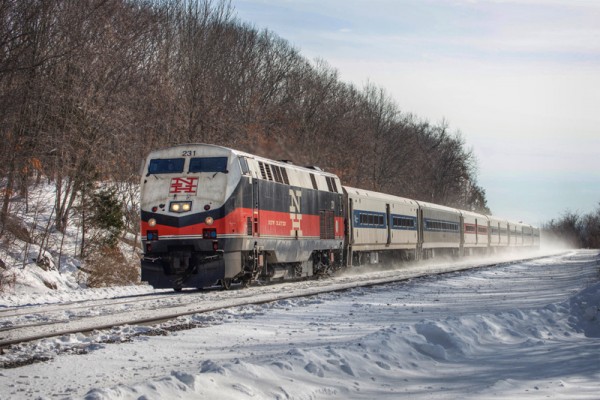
(416, 29)
(518, 78)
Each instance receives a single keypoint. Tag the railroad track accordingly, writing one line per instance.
(15, 311)
(24, 324)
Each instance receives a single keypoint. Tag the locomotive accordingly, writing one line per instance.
(213, 215)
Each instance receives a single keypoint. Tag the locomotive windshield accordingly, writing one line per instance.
(166, 166)
(208, 164)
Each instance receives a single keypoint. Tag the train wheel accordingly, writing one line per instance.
(246, 282)
(226, 283)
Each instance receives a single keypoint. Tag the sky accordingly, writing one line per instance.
(520, 81)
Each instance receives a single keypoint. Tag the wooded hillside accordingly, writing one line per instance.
(87, 88)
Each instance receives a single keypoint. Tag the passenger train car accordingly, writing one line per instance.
(210, 214)
(380, 224)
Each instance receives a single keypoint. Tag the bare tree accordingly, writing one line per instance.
(87, 88)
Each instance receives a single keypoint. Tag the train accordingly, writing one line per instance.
(215, 216)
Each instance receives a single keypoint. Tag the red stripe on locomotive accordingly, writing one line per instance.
(271, 223)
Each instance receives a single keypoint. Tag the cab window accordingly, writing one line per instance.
(166, 166)
(208, 164)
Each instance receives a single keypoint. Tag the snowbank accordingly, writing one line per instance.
(29, 270)
(527, 330)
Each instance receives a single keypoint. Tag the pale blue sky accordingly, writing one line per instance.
(519, 79)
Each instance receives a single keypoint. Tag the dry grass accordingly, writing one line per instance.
(15, 228)
(7, 277)
(108, 267)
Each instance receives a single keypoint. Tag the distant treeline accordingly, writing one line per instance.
(575, 230)
(88, 87)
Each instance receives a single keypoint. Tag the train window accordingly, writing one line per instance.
(403, 222)
(441, 226)
(373, 220)
(166, 166)
(208, 164)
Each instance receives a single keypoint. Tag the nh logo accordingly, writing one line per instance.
(295, 212)
(183, 185)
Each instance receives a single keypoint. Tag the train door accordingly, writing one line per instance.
(462, 235)
(255, 207)
(499, 234)
(388, 224)
(421, 237)
(349, 230)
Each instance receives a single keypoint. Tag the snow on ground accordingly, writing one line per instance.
(528, 330)
(38, 262)
(25, 296)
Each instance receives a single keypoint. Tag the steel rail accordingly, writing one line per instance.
(49, 329)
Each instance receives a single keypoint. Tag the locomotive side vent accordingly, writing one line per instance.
(285, 176)
(262, 170)
(327, 222)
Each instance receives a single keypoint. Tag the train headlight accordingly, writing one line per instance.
(152, 222)
(209, 221)
(180, 206)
